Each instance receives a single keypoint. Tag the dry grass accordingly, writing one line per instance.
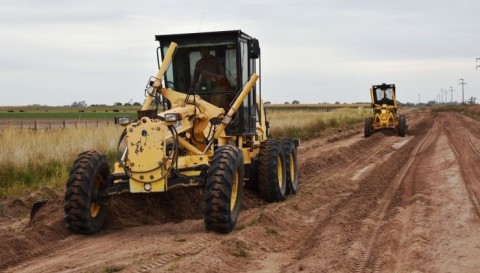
(307, 123)
(24, 147)
(32, 159)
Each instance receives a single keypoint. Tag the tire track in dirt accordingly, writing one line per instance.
(468, 159)
(404, 243)
(363, 251)
(334, 219)
(205, 241)
(406, 229)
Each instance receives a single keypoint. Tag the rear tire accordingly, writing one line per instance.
(402, 126)
(291, 170)
(368, 127)
(224, 189)
(84, 209)
(272, 184)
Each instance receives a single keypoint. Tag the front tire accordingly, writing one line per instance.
(272, 184)
(291, 170)
(224, 189)
(368, 127)
(84, 208)
(402, 126)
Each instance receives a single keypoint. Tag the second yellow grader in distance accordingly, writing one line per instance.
(385, 111)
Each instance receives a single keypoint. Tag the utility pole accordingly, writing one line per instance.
(418, 98)
(476, 60)
(443, 94)
(451, 94)
(462, 83)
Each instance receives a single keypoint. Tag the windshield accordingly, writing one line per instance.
(205, 67)
(384, 96)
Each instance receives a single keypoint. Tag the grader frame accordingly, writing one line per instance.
(183, 138)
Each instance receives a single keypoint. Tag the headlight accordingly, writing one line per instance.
(122, 120)
(170, 117)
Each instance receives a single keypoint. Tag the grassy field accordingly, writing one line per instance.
(301, 123)
(34, 159)
(48, 112)
(30, 160)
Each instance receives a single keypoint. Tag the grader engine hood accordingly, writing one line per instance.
(146, 155)
(153, 151)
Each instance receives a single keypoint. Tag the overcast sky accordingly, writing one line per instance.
(55, 52)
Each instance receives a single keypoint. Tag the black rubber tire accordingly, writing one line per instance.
(368, 127)
(252, 181)
(224, 189)
(291, 167)
(84, 212)
(272, 182)
(402, 126)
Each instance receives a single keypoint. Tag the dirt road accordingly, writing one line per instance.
(382, 204)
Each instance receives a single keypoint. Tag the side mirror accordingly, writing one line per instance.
(254, 49)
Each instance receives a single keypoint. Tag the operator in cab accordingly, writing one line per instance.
(209, 74)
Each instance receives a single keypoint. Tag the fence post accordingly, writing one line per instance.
(35, 125)
(63, 124)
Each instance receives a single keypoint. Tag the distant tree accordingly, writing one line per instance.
(117, 104)
(79, 104)
(287, 102)
(127, 104)
(337, 102)
(472, 100)
(137, 104)
(267, 103)
(295, 102)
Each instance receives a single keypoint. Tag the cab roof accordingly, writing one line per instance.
(203, 37)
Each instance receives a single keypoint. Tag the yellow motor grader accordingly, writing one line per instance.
(385, 111)
(212, 134)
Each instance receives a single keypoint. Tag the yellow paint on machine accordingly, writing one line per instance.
(145, 142)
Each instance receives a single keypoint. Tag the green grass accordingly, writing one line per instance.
(15, 179)
(47, 112)
(64, 115)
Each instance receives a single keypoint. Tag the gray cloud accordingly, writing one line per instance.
(57, 52)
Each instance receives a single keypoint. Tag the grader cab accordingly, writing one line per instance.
(197, 128)
(384, 111)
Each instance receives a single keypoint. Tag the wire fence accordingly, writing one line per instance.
(46, 125)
